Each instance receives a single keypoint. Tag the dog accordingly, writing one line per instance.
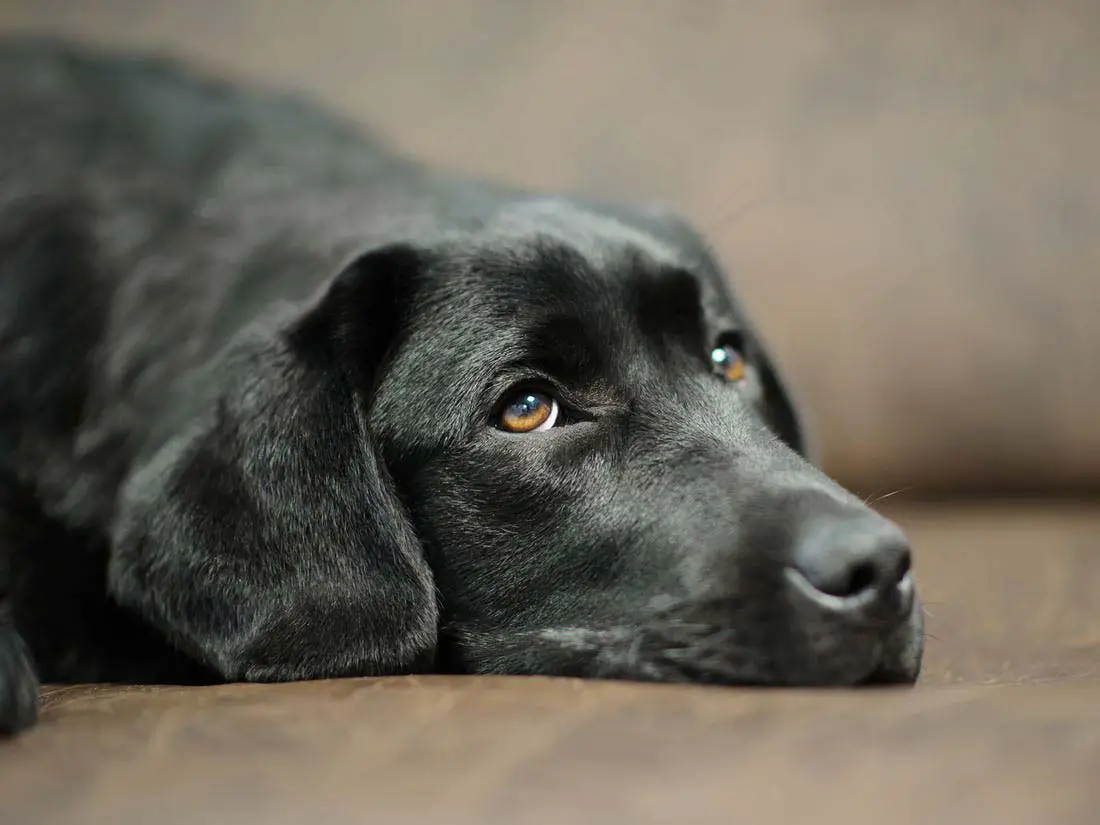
(280, 403)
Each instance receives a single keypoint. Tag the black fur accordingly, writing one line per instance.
(250, 364)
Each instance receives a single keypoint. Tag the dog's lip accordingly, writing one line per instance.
(892, 667)
(870, 622)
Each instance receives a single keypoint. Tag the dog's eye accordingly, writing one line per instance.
(729, 363)
(529, 411)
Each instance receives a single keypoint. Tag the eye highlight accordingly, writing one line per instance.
(728, 363)
(528, 411)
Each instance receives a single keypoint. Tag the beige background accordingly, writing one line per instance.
(909, 193)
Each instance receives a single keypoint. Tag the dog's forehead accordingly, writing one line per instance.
(622, 249)
(549, 274)
(545, 253)
(577, 294)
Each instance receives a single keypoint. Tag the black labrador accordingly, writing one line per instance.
(278, 404)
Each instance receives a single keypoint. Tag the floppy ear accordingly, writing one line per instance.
(264, 537)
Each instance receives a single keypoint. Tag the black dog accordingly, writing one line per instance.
(277, 404)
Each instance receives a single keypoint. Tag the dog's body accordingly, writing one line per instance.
(253, 369)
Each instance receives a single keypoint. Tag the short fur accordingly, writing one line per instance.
(250, 363)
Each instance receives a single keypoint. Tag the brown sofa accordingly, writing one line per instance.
(1004, 729)
(910, 195)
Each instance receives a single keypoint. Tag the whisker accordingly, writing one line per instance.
(872, 499)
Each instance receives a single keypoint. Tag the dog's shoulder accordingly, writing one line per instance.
(165, 159)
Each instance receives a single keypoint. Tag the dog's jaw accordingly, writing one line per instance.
(672, 648)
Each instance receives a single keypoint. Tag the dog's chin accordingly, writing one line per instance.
(676, 649)
(876, 651)
(903, 652)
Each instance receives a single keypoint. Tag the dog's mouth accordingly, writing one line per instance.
(674, 647)
(903, 651)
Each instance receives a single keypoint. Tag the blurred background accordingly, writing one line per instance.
(908, 194)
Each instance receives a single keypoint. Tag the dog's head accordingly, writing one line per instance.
(550, 444)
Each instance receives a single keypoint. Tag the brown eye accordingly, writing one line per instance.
(729, 363)
(528, 412)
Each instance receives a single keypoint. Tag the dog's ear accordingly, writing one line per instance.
(264, 536)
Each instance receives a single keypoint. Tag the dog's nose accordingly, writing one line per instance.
(853, 563)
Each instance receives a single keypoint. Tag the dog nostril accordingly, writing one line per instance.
(851, 560)
(905, 563)
(861, 577)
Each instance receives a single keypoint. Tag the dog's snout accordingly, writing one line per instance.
(851, 562)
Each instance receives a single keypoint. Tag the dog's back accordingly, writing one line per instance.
(146, 216)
